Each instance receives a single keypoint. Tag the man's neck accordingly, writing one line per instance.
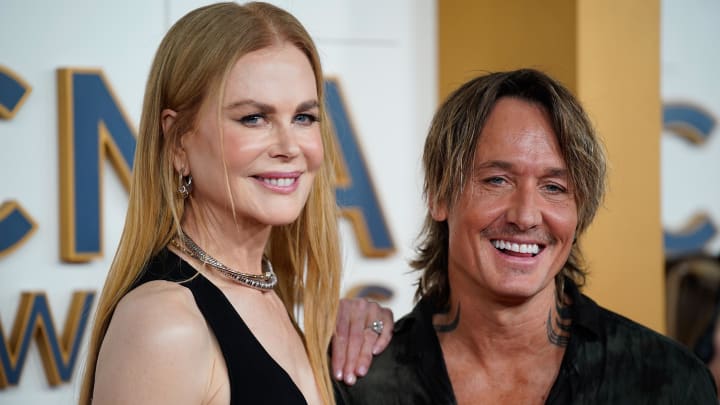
(506, 354)
(489, 329)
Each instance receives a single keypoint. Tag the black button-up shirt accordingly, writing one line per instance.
(609, 360)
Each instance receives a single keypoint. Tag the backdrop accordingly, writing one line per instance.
(75, 62)
(380, 62)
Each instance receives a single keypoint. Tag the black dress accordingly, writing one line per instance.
(255, 377)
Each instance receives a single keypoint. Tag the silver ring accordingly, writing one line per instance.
(377, 326)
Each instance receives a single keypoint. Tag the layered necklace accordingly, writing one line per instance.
(263, 282)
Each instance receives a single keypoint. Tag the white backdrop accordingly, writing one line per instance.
(689, 36)
(382, 52)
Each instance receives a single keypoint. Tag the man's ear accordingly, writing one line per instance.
(167, 120)
(438, 209)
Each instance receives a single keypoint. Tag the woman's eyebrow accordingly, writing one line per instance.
(266, 108)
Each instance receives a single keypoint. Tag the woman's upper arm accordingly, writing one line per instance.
(157, 350)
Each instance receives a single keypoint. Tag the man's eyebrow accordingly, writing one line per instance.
(556, 172)
(505, 165)
(495, 164)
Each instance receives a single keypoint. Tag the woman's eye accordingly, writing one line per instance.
(305, 119)
(252, 120)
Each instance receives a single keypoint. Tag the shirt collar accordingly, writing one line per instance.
(585, 312)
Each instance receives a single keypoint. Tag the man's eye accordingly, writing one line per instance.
(555, 189)
(495, 180)
(305, 119)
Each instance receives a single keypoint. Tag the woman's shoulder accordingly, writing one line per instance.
(157, 339)
(158, 305)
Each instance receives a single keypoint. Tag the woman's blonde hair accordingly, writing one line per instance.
(192, 63)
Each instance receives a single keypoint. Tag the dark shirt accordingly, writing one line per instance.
(609, 360)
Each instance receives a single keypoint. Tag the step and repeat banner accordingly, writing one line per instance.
(63, 188)
(72, 77)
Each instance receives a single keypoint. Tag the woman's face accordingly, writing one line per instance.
(266, 132)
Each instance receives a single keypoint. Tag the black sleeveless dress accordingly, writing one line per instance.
(255, 377)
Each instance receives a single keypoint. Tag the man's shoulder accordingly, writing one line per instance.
(413, 337)
(626, 335)
(410, 370)
(622, 337)
(618, 360)
(419, 319)
(647, 360)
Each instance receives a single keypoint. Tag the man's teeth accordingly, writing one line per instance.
(279, 182)
(517, 247)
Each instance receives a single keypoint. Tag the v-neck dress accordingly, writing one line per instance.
(255, 377)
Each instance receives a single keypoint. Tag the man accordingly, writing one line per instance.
(514, 174)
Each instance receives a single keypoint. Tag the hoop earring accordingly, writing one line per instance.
(185, 186)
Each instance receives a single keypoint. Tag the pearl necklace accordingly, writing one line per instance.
(262, 282)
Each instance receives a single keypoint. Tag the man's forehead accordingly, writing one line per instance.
(517, 130)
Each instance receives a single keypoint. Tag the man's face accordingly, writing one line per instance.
(513, 226)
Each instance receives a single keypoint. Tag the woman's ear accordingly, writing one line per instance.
(438, 209)
(167, 120)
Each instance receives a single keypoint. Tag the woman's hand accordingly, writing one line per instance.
(356, 337)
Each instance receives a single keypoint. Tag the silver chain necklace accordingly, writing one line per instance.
(263, 282)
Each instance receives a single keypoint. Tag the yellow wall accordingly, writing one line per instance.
(476, 36)
(608, 53)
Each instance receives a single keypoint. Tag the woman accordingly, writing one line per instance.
(232, 179)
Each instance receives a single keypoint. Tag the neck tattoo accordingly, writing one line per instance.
(449, 327)
(558, 332)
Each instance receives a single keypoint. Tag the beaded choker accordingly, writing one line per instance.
(263, 282)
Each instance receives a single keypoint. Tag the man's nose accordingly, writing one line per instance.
(524, 211)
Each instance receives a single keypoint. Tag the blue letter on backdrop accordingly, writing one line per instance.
(34, 320)
(91, 125)
(16, 225)
(696, 125)
(355, 193)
